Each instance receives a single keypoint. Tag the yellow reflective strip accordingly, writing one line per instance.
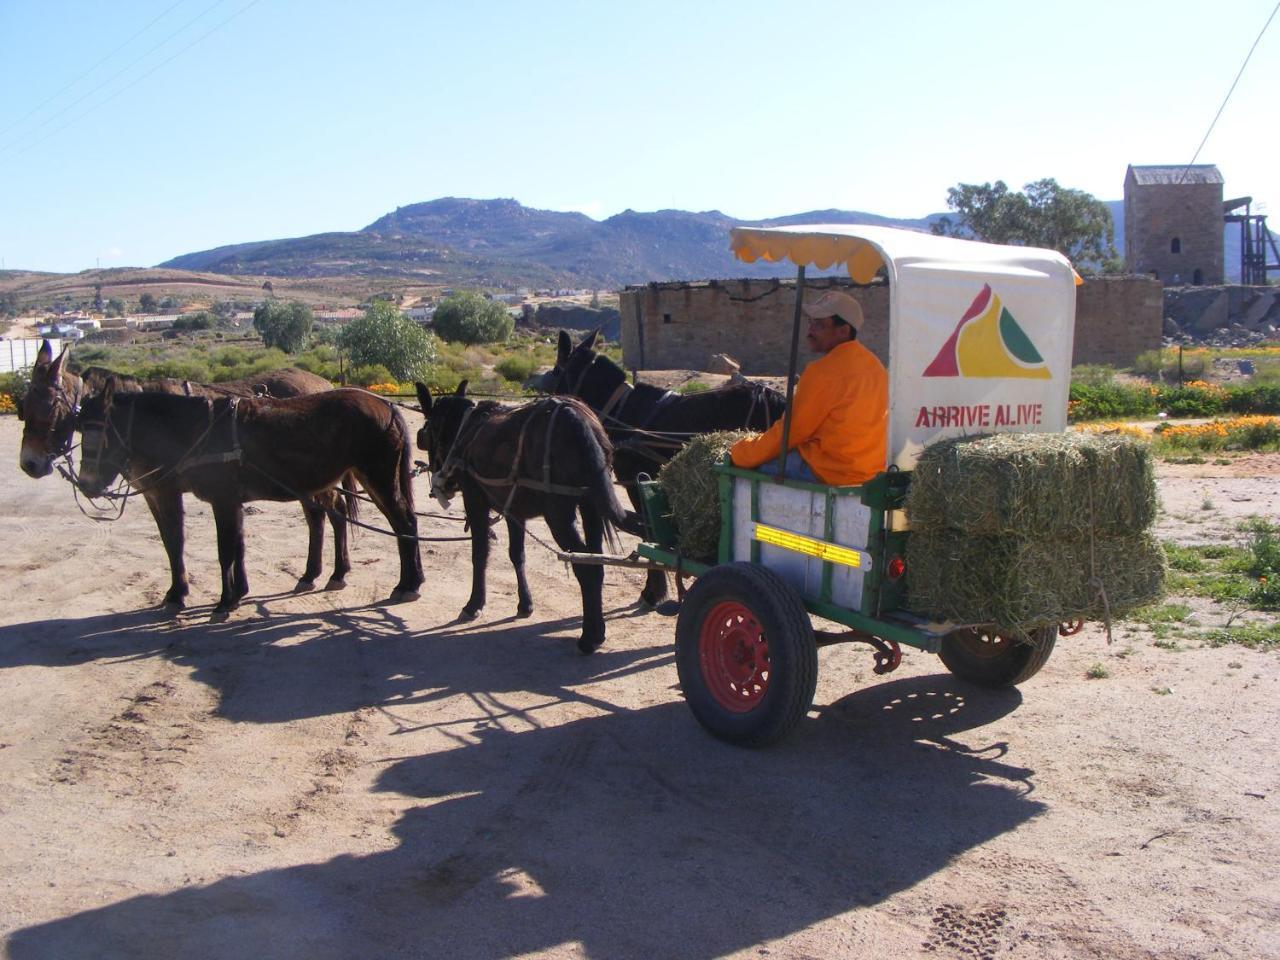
(808, 546)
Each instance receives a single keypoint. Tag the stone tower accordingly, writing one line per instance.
(1173, 223)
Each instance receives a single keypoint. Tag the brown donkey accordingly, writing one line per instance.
(232, 450)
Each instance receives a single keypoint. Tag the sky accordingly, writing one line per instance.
(137, 130)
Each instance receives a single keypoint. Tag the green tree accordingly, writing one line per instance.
(1073, 222)
(147, 303)
(284, 325)
(386, 336)
(469, 318)
(115, 307)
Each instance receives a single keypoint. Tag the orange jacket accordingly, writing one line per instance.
(839, 419)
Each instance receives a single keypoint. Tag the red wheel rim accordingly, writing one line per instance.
(734, 656)
(985, 646)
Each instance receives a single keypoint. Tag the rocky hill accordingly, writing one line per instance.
(503, 243)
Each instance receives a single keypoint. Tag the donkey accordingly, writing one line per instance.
(548, 459)
(232, 450)
(49, 411)
(649, 425)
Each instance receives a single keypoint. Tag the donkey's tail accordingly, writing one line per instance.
(350, 497)
(599, 483)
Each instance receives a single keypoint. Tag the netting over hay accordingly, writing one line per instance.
(1035, 485)
(1021, 584)
(693, 491)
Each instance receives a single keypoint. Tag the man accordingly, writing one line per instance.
(840, 409)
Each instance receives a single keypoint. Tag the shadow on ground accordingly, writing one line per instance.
(631, 832)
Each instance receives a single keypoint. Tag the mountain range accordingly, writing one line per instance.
(502, 244)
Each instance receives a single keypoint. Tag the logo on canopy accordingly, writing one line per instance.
(987, 342)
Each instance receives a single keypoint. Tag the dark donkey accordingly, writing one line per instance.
(649, 425)
(232, 450)
(548, 459)
(49, 411)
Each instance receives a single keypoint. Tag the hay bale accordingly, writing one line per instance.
(1053, 485)
(693, 491)
(1020, 583)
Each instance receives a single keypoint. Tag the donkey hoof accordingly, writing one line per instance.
(219, 615)
(304, 586)
(468, 614)
(588, 646)
(336, 583)
(171, 608)
(403, 596)
(523, 612)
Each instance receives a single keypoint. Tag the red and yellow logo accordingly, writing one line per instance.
(987, 342)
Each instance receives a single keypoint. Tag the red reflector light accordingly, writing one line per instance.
(897, 567)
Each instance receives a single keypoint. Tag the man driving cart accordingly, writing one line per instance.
(840, 410)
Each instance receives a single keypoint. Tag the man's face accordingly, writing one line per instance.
(826, 334)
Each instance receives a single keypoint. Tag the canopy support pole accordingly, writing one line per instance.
(791, 375)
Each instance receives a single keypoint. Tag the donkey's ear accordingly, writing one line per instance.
(462, 389)
(44, 355)
(589, 341)
(108, 391)
(424, 396)
(564, 347)
(55, 371)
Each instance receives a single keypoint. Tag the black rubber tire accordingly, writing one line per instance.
(793, 654)
(990, 659)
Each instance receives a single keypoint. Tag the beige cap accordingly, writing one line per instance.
(833, 303)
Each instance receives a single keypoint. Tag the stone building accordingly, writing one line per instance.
(1173, 223)
(682, 325)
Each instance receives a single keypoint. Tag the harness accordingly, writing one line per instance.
(456, 459)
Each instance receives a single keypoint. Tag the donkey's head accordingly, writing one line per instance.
(572, 364)
(438, 436)
(102, 448)
(48, 412)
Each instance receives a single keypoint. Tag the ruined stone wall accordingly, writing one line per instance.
(1158, 214)
(1117, 318)
(680, 326)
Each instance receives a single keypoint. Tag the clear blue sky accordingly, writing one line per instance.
(136, 130)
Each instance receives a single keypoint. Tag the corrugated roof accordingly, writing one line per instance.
(1181, 173)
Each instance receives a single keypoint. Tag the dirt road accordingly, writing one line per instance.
(325, 776)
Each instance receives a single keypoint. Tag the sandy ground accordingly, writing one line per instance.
(325, 776)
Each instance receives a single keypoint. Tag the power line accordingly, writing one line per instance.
(115, 76)
(54, 96)
(1183, 176)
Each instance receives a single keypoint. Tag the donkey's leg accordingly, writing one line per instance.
(314, 514)
(228, 517)
(515, 550)
(560, 512)
(476, 505)
(344, 504)
(165, 502)
(381, 483)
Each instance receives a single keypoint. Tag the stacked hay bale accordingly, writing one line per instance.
(693, 491)
(1029, 530)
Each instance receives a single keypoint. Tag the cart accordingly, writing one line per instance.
(979, 341)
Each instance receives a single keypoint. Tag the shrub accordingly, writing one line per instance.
(469, 318)
(1241, 433)
(387, 337)
(284, 325)
(1253, 399)
(517, 368)
(1195, 399)
(1110, 401)
(1093, 374)
(366, 376)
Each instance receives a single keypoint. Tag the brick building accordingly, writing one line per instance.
(1173, 223)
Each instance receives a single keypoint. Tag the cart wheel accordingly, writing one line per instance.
(994, 659)
(746, 655)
